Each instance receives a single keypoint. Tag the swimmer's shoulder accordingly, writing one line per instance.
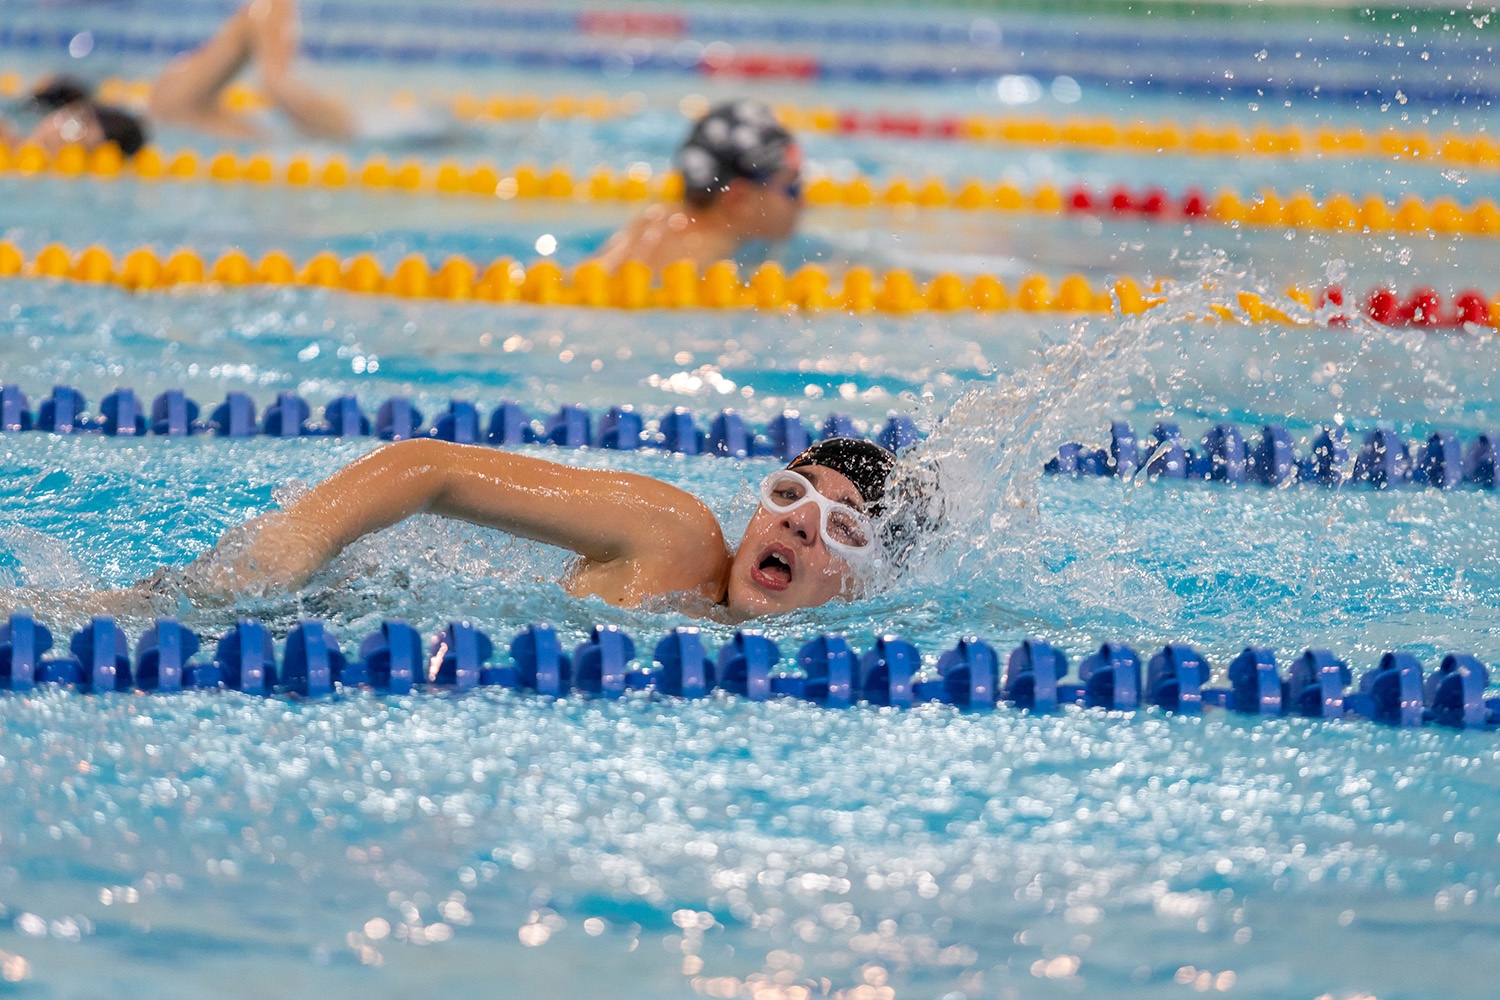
(676, 548)
(682, 544)
(626, 243)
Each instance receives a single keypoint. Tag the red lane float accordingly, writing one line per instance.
(1422, 307)
(761, 66)
(632, 24)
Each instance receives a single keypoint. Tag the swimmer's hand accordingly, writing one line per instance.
(74, 607)
(271, 554)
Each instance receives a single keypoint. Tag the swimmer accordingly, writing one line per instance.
(742, 181)
(820, 530)
(188, 93)
(69, 115)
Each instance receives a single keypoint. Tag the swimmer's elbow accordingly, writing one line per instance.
(418, 462)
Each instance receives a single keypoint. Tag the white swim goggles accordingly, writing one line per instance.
(847, 532)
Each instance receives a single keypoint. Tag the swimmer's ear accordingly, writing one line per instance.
(738, 192)
(912, 510)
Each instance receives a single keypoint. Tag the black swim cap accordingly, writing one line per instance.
(121, 128)
(738, 139)
(863, 463)
(59, 92)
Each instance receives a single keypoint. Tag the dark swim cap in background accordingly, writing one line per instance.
(737, 139)
(121, 128)
(863, 463)
(59, 92)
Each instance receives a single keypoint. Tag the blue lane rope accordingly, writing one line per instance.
(826, 671)
(1353, 82)
(1382, 459)
(621, 428)
(980, 33)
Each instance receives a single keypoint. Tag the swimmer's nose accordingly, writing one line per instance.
(803, 521)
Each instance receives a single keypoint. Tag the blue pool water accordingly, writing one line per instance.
(496, 844)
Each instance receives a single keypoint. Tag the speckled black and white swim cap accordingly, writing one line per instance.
(865, 464)
(737, 139)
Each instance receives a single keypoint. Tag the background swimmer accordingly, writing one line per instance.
(189, 92)
(818, 533)
(742, 181)
(69, 115)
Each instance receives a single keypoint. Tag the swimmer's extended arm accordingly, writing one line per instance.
(264, 32)
(609, 518)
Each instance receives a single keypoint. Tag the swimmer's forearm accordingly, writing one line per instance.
(273, 553)
(275, 39)
(279, 551)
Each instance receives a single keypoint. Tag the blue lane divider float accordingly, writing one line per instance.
(826, 670)
(976, 51)
(1381, 458)
(621, 428)
(945, 28)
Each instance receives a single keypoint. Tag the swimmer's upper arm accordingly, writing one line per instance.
(601, 515)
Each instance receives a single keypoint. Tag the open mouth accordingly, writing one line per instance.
(774, 571)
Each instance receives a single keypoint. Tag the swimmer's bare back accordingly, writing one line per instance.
(666, 233)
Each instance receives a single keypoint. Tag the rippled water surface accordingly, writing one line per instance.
(515, 845)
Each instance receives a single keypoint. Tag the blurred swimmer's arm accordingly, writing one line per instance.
(609, 518)
(188, 91)
(264, 32)
(275, 39)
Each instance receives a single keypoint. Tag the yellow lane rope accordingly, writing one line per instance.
(1453, 148)
(1295, 210)
(632, 286)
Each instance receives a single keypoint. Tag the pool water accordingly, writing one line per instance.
(498, 844)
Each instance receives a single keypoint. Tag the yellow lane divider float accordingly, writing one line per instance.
(1298, 210)
(1473, 150)
(677, 286)
(632, 286)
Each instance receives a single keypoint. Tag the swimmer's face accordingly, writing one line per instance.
(783, 562)
(71, 125)
(781, 204)
(768, 210)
